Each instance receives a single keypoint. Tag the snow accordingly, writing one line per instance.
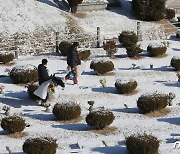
(27, 16)
(22, 68)
(102, 60)
(3, 53)
(176, 57)
(124, 81)
(156, 45)
(94, 1)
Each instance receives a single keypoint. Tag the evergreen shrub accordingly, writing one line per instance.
(31, 89)
(178, 34)
(128, 38)
(149, 10)
(43, 145)
(102, 66)
(13, 124)
(170, 13)
(175, 62)
(67, 111)
(64, 46)
(152, 102)
(73, 4)
(133, 50)
(142, 144)
(100, 118)
(125, 86)
(83, 55)
(110, 47)
(6, 57)
(24, 74)
(155, 49)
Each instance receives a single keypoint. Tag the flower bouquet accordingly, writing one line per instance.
(103, 82)
(8, 70)
(133, 66)
(27, 85)
(51, 89)
(171, 97)
(178, 75)
(1, 89)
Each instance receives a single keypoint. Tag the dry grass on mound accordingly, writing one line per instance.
(106, 130)
(158, 113)
(17, 135)
(80, 15)
(168, 27)
(73, 121)
(131, 93)
(136, 57)
(8, 64)
(160, 56)
(107, 74)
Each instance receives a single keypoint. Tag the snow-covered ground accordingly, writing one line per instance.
(127, 121)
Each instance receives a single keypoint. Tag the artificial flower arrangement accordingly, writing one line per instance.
(1, 89)
(178, 75)
(51, 88)
(27, 85)
(8, 70)
(171, 97)
(133, 66)
(103, 82)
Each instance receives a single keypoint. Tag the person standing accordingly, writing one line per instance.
(43, 76)
(73, 60)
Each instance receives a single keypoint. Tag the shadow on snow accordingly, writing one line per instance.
(111, 150)
(105, 90)
(17, 100)
(175, 121)
(128, 110)
(42, 117)
(74, 127)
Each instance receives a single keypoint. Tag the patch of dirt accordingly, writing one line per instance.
(160, 56)
(106, 130)
(158, 113)
(8, 64)
(75, 32)
(168, 27)
(131, 93)
(107, 74)
(80, 15)
(73, 121)
(136, 57)
(17, 135)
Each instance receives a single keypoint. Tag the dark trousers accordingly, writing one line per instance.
(75, 79)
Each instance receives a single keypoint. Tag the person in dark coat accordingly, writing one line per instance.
(43, 76)
(42, 72)
(73, 60)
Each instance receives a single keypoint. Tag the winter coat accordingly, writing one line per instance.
(72, 57)
(42, 74)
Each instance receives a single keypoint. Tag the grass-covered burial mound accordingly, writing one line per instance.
(43, 145)
(24, 73)
(67, 110)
